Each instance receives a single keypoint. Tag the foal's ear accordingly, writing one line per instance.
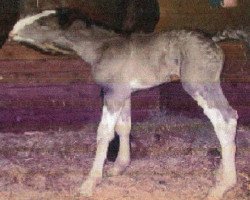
(67, 16)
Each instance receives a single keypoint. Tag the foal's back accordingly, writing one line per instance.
(144, 61)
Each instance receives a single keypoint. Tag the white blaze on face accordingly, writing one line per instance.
(28, 20)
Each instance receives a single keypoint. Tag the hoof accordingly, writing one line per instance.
(218, 191)
(213, 195)
(117, 169)
(88, 187)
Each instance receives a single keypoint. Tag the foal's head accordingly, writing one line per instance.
(46, 32)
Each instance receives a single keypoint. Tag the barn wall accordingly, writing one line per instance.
(197, 14)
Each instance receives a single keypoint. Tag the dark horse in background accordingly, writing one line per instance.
(9, 14)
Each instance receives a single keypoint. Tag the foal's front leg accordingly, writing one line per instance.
(105, 133)
(122, 128)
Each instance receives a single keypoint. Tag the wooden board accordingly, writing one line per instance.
(15, 51)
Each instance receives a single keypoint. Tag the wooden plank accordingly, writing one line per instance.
(44, 65)
(13, 50)
(67, 96)
(45, 78)
(233, 46)
(52, 91)
(19, 120)
(87, 103)
(244, 113)
(234, 50)
(235, 66)
(235, 79)
(44, 118)
(39, 72)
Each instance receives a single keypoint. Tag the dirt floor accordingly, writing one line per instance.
(173, 157)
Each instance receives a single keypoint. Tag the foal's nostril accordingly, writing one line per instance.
(12, 34)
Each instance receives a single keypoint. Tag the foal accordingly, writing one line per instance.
(123, 65)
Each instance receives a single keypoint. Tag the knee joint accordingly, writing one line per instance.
(123, 128)
(104, 133)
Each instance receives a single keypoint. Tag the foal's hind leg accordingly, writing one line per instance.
(105, 133)
(123, 127)
(224, 119)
